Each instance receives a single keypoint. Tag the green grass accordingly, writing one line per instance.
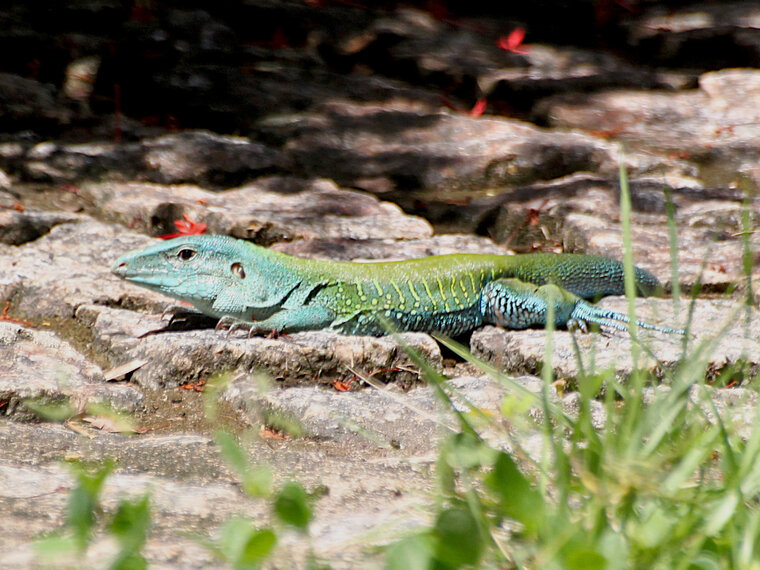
(663, 483)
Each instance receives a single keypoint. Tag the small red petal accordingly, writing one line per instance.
(186, 227)
(513, 41)
(479, 107)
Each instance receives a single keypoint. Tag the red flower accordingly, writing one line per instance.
(513, 41)
(479, 107)
(186, 227)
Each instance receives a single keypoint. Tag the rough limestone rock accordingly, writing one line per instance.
(318, 357)
(721, 334)
(265, 213)
(40, 369)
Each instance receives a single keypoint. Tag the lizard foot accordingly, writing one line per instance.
(233, 325)
(182, 319)
(577, 325)
(585, 313)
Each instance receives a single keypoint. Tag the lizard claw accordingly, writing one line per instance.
(231, 324)
(234, 325)
(240, 326)
(577, 325)
(177, 312)
(184, 318)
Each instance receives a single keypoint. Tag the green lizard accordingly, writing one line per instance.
(264, 291)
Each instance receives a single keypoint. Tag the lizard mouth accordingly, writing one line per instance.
(120, 268)
(149, 277)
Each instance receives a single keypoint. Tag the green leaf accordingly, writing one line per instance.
(655, 528)
(55, 547)
(467, 451)
(257, 549)
(130, 525)
(292, 505)
(284, 422)
(243, 545)
(131, 521)
(80, 515)
(458, 538)
(256, 481)
(585, 560)
(707, 561)
(51, 410)
(413, 553)
(129, 561)
(517, 497)
(232, 452)
(83, 500)
(721, 513)
(233, 537)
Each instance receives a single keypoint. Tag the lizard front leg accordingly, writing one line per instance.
(515, 304)
(308, 317)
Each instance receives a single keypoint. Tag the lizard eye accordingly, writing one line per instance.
(237, 270)
(185, 254)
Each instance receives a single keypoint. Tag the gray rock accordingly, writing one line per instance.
(718, 325)
(697, 35)
(415, 148)
(389, 249)
(42, 369)
(26, 102)
(206, 158)
(318, 357)
(714, 126)
(368, 493)
(318, 210)
(19, 227)
(199, 157)
(548, 70)
(5, 185)
(51, 276)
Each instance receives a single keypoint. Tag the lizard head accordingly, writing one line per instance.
(205, 270)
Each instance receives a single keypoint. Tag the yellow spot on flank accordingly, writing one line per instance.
(359, 289)
(443, 295)
(396, 287)
(375, 301)
(430, 295)
(377, 287)
(472, 280)
(414, 294)
(454, 291)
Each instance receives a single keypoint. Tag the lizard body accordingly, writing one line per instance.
(237, 281)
